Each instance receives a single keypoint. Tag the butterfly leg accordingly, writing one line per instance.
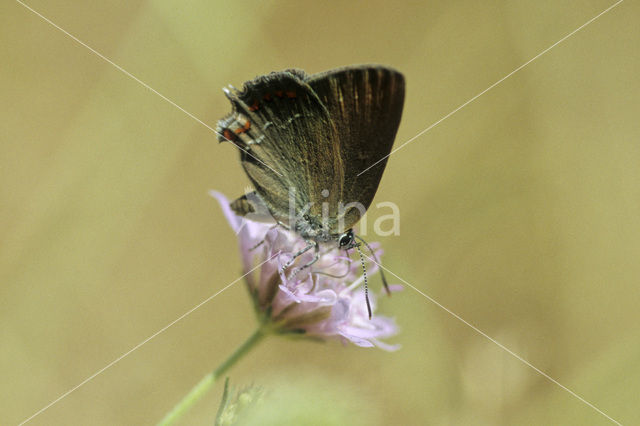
(312, 244)
(257, 245)
(312, 261)
(265, 238)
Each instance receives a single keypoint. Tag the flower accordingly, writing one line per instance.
(323, 302)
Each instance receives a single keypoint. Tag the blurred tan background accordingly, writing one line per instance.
(520, 213)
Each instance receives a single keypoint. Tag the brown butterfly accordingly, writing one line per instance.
(303, 141)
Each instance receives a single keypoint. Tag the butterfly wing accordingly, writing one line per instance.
(365, 103)
(286, 139)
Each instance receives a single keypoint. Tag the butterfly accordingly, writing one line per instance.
(304, 142)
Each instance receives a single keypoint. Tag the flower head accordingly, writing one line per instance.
(323, 302)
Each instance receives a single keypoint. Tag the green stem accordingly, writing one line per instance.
(207, 381)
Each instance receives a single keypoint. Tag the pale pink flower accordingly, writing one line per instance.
(322, 302)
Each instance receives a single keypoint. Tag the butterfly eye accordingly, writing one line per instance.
(346, 239)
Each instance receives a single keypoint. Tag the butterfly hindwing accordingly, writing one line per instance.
(287, 140)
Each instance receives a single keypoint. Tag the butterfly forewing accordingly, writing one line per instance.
(365, 104)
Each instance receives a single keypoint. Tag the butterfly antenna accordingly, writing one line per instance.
(366, 285)
(373, 253)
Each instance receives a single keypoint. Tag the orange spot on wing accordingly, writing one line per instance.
(267, 97)
(291, 94)
(228, 135)
(279, 93)
(244, 128)
(254, 106)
